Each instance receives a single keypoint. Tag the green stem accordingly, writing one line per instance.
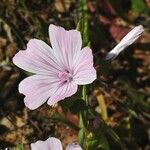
(83, 118)
(83, 18)
(83, 27)
(85, 98)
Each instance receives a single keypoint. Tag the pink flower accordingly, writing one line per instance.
(58, 70)
(53, 144)
(131, 37)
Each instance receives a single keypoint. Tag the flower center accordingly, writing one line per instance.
(65, 76)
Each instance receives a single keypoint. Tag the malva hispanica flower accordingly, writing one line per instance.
(131, 37)
(58, 70)
(53, 144)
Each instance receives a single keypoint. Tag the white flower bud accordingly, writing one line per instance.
(131, 37)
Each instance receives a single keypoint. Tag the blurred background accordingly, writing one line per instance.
(122, 89)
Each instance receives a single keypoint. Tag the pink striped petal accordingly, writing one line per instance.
(84, 72)
(65, 90)
(37, 89)
(37, 58)
(50, 144)
(65, 43)
(73, 146)
(57, 71)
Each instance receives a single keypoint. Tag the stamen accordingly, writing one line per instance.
(65, 76)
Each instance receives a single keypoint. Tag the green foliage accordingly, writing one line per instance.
(19, 147)
(98, 142)
(81, 134)
(136, 97)
(139, 6)
(108, 131)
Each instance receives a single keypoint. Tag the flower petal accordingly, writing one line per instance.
(37, 58)
(73, 146)
(131, 37)
(65, 43)
(84, 72)
(37, 89)
(65, 90)
(50, 144)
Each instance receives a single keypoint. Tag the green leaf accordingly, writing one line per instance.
(81, 136)
(19, 147)
(139, 6)
(97, 142)
(112, 133)
(106, 129)
(104, 145)
(92, 142)
(136, 96)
